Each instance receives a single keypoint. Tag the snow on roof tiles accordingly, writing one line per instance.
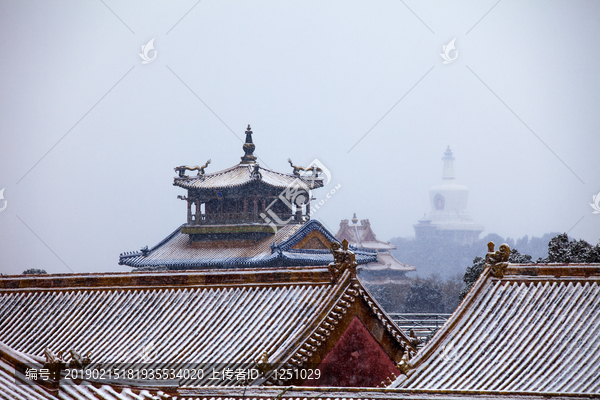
(224, 316)
(176, 251)
(536, 329)
(241, 174)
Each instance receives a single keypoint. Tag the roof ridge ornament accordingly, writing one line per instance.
(403, 365)
(497, 261)
(343, 259)
(55, 363)
(255, 174)
(248, 148)
(181, 170)
(262, 364)
(315, 170)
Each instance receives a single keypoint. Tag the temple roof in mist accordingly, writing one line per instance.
(363, 237)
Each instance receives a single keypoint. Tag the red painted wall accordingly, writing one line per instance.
(356, 360)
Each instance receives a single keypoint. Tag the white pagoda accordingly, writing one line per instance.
(448, 219)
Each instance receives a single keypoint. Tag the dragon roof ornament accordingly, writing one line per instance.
(314, 169)
(497, 261)
(181, 170)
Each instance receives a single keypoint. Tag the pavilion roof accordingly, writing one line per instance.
(177, 252)
(245, 174)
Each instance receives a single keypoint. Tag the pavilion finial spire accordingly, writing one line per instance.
(249, 157)
(354, 219)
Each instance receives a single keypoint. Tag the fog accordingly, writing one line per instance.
(90, 135)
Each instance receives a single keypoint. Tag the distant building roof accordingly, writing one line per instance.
(523, 328)
(387, 268)
(361, 235)
(297, 245)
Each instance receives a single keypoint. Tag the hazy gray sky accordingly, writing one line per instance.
(519, 108)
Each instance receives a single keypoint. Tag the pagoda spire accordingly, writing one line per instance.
(249, 157)
(448, 159)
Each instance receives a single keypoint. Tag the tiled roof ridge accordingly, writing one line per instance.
(309, 226)
(187, 183)
(16, 358)
(349, 289)
(276, 259)
(385, 318)
(163, 279)
(183, 181)
(19, 362)
(552, 270)
(450, 323)
(331, 310)
(242, 165)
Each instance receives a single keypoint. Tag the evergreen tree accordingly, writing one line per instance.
(34, 271)
(424, 297)
(563, 250)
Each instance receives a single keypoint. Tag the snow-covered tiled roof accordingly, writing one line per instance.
(177, 252)
(14, 385)
(534, 329)
(357, 393)
(243, 174)
(210, 316)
